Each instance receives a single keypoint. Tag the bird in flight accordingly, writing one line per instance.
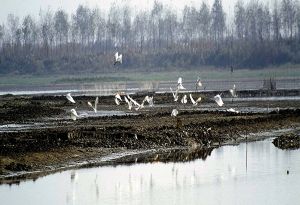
(128, 102)
(118, 58)
(95, 106)
(118, 99)
(193, 101)
(138, 106)
(70, 98)
(175, 95)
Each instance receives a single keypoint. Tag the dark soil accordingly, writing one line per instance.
(288, 141)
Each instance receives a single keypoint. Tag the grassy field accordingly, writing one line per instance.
(205, 74)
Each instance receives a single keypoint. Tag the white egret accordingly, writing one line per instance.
(128, 102)
(184, 99)
(69, 97)
(174, 113)
(118, 99)
(179, 84)
(118, 58)
(232, 110)
(193, 101)
(95, 106)
(219, 100)
(138, 106)
(198, 83)
(149, 100)
(118, 96)
(74, 114)
(175, 95)
(233, 91)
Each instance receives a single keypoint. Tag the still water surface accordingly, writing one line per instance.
(224, 177)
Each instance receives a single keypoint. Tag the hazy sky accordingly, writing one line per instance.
(24, 7)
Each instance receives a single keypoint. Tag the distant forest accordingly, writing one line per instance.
(158, 39)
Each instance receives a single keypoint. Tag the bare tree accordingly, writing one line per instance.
(157, 38)
(276, 22)
(240, 20)
(139, 23)
(13, 26)
(2, 32)
(61, 25)
(47, 31)
(204, 21)
(155, 18)
(288, 13)
(218, 20)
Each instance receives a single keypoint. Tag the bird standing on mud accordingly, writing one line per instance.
(179, 84)
(198, 83)
(232, 110)
(219, 100)
(184, 99)
(174, 113)
(74, 114)
(149, 100)
(233, 91)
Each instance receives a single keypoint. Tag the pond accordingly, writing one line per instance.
(250, 173)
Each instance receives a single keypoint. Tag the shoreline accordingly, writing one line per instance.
(128, 157)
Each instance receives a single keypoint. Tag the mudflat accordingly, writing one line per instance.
(37, 135)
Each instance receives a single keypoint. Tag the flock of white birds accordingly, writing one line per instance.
(137, 106)
(217, 98)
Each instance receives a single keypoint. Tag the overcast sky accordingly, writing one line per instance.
(32, 7)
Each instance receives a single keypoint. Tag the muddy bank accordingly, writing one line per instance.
(288, 141)
(69, 143)
(49, 149)
(18, 109)
(124, 157)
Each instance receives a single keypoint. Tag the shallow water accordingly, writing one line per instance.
(265, 99)
(104, 113)
(109, 88)
(52, 122)
(224, 177)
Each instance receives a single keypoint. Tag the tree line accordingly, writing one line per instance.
(157, 39)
